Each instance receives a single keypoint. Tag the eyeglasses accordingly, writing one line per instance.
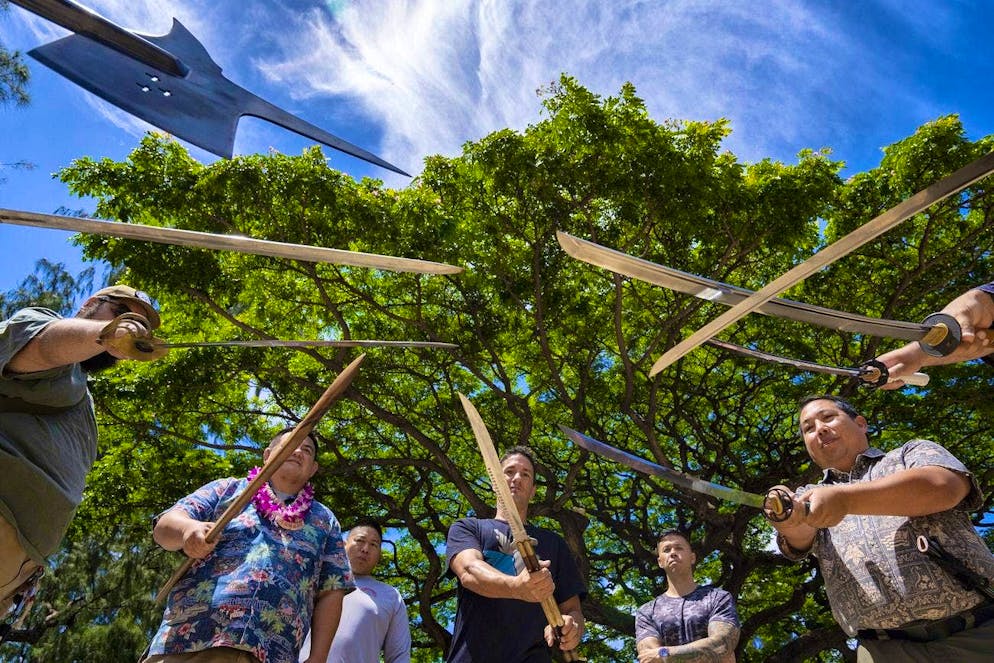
(118, 307)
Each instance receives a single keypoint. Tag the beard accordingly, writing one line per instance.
(97, 363)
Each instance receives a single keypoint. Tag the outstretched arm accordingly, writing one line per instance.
(717, 647)
(974, 311)
(60, 343)
(917, 491)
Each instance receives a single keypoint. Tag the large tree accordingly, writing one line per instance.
(543, 340)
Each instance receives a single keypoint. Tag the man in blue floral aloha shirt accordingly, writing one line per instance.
(278, 570)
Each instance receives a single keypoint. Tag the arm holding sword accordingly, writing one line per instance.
(278, 569)
(974, 311)
(496, 587)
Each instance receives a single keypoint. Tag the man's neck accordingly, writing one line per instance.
(283, 486)
(680, 586)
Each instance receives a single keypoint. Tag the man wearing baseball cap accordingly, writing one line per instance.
(48, 429)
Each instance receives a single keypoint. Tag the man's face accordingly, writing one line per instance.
(833, 438)
(520, 476)
(102, 308)
(675, 556)
(363, 548)
(300, 466)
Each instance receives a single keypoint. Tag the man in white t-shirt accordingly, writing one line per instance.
(374, 618)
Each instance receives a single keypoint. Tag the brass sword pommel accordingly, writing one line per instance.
(943, 337)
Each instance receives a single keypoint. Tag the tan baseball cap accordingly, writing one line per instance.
(132, 296)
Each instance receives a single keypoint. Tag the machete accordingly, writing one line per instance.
(240, 244)
(505, 500)
(873, 228)
(939, 334)
(778, 504)
(870, 374)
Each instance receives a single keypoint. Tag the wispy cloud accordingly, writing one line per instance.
(410, 78)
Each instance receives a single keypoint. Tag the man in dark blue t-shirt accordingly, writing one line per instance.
(498, 616)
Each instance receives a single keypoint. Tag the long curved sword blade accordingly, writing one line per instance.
(317, 343)
(873, 228)
(871, 374)
(202, 240)
(730, 295)
(676, 478)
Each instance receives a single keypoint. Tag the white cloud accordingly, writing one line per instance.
(409, 78)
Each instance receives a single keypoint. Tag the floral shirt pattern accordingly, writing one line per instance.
(875, 575)
(256, 591)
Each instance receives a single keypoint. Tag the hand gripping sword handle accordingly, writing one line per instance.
(549, 605)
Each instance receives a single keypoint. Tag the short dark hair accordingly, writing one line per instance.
(311, 435)
(370, 523)
(842, 403)
(519, 450)
(674, 532)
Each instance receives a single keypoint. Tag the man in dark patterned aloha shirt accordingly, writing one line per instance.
(862, 522)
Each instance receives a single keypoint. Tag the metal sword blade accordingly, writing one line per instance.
(730, 295)
(204, 240)
(871, 374)
(277, 343)
(676, 478)
(492, 463)
(873, 228)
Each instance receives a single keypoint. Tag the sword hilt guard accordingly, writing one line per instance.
(779, 505)
(874, 374)
(943, 337)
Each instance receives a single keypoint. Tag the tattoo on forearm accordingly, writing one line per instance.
(718, 647)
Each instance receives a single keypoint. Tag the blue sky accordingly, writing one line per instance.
(407, 79)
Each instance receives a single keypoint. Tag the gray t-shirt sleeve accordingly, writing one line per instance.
(397, 644)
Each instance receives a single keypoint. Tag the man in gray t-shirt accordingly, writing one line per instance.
(374, 618)
(48, 431)
(686, 619)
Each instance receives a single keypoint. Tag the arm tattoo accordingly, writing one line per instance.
(718, 647)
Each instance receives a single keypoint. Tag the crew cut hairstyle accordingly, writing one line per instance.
(675, 532)
(311, 435)
(370, 523)
(520, 450)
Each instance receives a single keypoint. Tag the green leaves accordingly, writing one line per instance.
(543, 340)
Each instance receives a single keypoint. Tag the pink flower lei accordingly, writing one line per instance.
(289, 516)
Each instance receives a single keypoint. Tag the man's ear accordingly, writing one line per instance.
(861, 422)
(265, 454)
(314, 471)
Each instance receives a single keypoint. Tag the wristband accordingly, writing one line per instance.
(663, 652)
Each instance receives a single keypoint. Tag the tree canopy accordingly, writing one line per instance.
(543, 340)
